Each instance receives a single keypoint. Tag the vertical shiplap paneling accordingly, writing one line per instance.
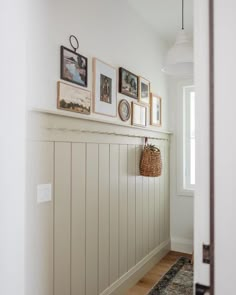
(39, 220)
(92, 189)
(62, 222)
(151, 215)
(167, 199)
(78, 218)
(139, 204)
(131, 205)
(157, 211)
(123, 211)
(114, 209)
(104, 208)
(162, 198)
(145, 216)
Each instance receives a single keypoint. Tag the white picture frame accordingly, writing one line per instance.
(139, 114)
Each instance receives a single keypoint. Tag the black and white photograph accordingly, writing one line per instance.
(144, 91)
(74, 67)
(128, 83)
(105, 91)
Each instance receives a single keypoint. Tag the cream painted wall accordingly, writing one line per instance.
(181, 206)
(107, 29)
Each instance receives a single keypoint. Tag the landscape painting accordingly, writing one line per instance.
(74, 99)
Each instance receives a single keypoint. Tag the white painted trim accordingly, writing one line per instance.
(79, 116)
(182, 245)
(138, 271)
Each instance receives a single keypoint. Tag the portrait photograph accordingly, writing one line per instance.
(128, 83)
(104, 88)
(74, 67)
(144, 90)
(156, 110)
(73, 98)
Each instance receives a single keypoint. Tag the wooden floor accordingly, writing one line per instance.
(153, 276)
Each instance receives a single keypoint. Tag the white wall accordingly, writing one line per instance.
(181, 206)
(225, 146)
(12, 142)
(201, 198)
(107, 29)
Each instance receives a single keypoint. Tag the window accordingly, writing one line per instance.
(188, 137)
(185, 136)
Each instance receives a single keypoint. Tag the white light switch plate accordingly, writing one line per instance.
(44, 193)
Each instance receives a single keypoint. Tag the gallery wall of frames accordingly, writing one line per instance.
(144, 109)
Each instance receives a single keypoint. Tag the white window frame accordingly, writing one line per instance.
(180, 167)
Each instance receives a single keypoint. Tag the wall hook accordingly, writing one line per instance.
(74, 40)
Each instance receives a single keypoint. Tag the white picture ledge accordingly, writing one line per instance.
(89, 118)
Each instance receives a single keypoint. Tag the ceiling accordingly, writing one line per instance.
(165, 16)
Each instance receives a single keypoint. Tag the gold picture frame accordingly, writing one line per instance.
(144, 90)
(156, 110)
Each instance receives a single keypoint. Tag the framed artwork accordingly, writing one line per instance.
(139, 114)
(74, 99)
(128, 83)
(104, 89)
(144, 91)
(156, 110)
(124, 110)
(74, 67)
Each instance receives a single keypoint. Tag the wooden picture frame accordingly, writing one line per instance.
(128, 83)
(74, 67)
(139, 114)
(124, 110)
(156, 110)
(144, 90)
(104, 88)
(72, 98)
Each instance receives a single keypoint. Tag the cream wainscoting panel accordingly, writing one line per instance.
(62, 219)
(78, 218)
(106, 224)
(114, 212)
(39, 220)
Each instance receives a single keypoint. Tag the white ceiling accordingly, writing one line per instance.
(165, 16)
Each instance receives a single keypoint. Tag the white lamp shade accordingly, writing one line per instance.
(179, 59)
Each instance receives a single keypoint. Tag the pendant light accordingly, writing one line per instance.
(179, 59)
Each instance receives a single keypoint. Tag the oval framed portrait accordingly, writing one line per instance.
(124, 110)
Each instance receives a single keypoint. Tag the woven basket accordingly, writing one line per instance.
(151, 164)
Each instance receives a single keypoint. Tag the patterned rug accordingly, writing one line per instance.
(177, 281)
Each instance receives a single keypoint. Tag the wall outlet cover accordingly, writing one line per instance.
(44, 193)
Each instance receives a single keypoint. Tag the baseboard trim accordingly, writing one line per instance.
(182, 245)
(138, 271)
